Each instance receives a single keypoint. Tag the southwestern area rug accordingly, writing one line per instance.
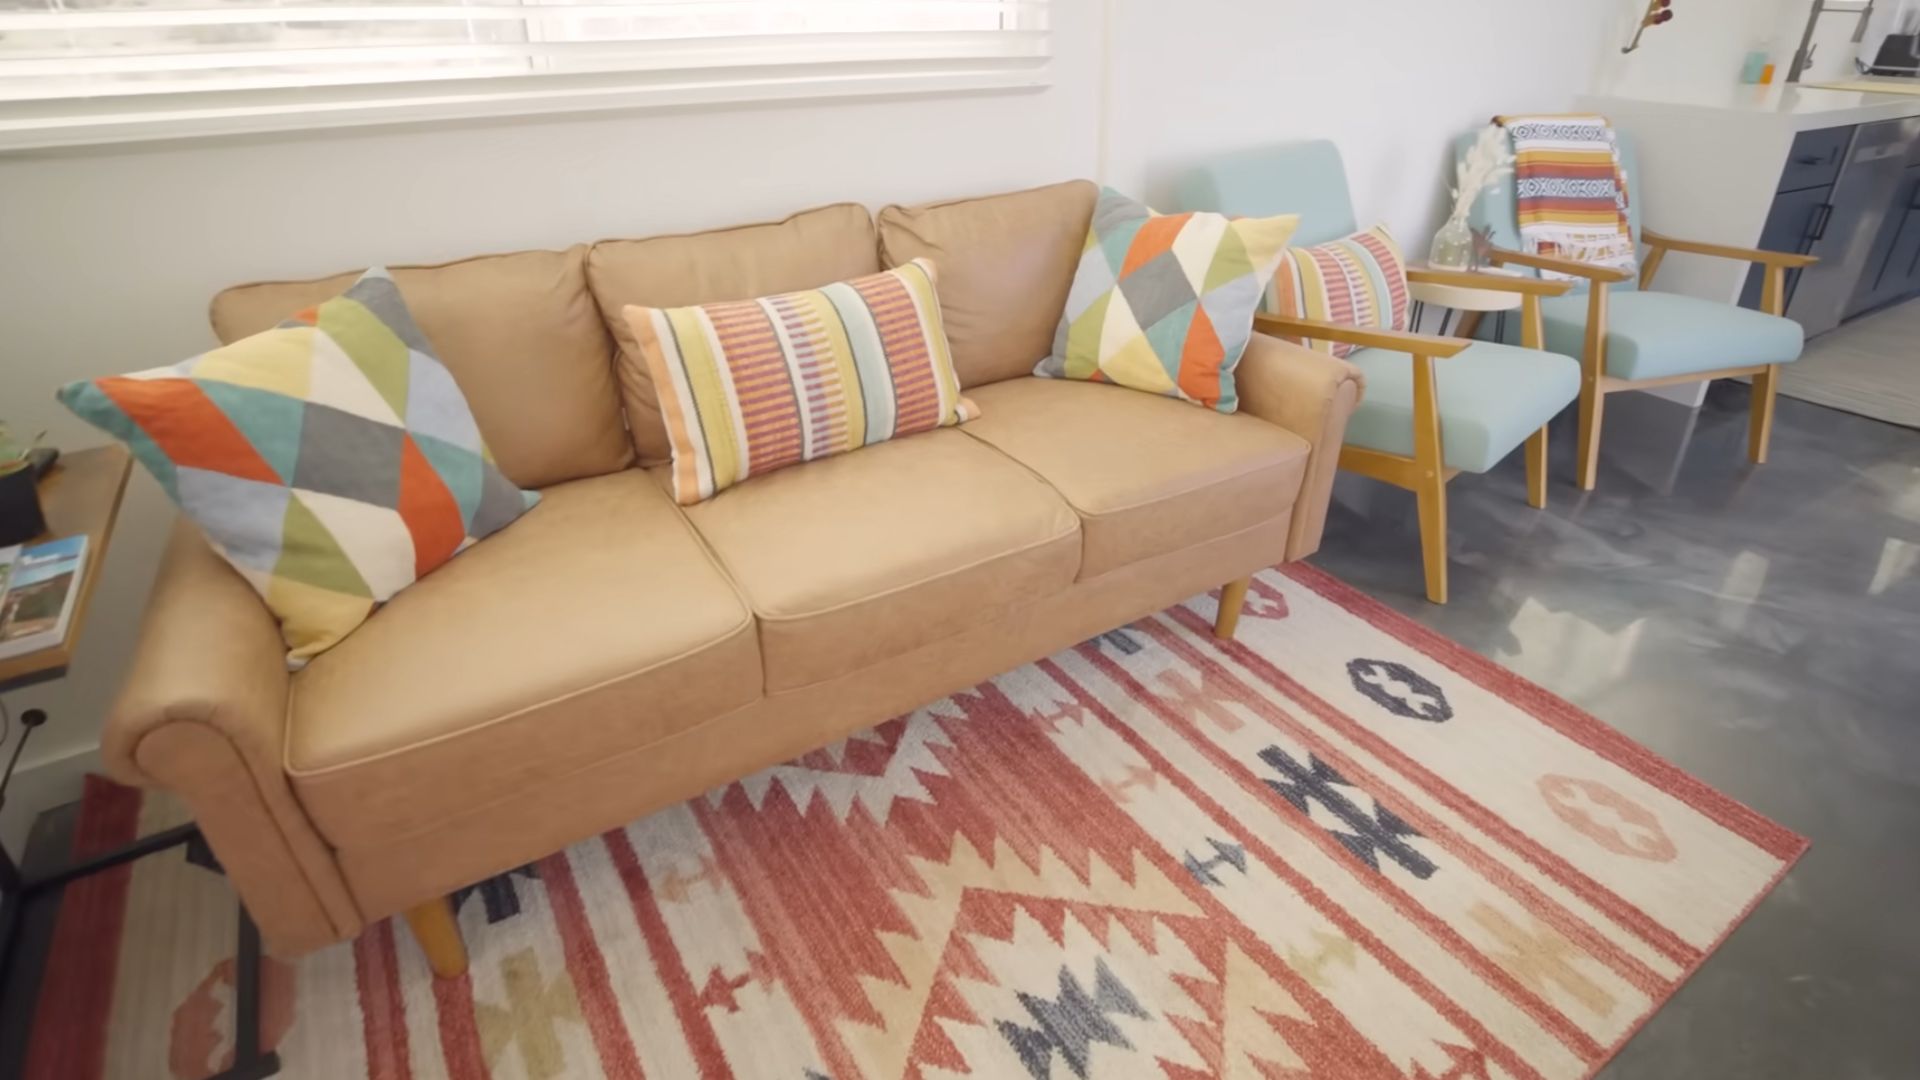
(1339, 847)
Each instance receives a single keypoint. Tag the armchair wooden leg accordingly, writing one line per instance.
(438, 933)
(1432, 494)
(1537, 469)
(1430, 478)
(1593, 401)
(1592, 412)
(1766, 386)
(1233, 596)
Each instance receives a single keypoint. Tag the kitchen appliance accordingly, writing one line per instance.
(1888, 35)
(1890, 38)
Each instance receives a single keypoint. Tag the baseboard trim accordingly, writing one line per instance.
(41, 786)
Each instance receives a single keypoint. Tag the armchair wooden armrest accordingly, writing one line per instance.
(1661, 242)
(1397, 341)
(1776, 263)
(1469, 279)
(1598, 274)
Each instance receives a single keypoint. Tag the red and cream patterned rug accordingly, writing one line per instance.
(1338, 847)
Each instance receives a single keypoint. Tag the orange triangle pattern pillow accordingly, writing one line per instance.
(331, 460)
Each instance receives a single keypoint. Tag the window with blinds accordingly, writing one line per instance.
(111, 60)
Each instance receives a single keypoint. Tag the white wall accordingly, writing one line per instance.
(1392, 81)
(1704, 46)
(110, 256)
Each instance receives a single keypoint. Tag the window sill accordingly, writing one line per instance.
(29, 125)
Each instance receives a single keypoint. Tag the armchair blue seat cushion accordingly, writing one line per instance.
(1651, 335)
(1491, 398)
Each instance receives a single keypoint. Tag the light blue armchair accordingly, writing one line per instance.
(1434, 407)
(1627, 337)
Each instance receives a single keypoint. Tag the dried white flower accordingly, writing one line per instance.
(1489, 162)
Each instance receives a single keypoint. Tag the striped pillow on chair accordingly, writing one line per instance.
(1360, 280)
(751, 386)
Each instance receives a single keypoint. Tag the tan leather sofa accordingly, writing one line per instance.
(612, 653)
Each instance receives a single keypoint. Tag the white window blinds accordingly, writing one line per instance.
(65, 56)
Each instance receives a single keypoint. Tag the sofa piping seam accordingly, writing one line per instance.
(684, 732)
(928, 580)
(447, 736)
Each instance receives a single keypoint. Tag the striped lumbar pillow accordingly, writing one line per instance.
(1360, 280)
(751, 386)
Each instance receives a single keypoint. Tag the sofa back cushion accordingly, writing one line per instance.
(1006, 263)
(808, 250)
(522, 338)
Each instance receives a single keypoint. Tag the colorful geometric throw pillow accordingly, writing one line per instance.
(1359, 281)
(332, 460)
(751, 386)
(1165, 302)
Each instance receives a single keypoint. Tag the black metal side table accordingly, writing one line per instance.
(81, 496)
(17, 890)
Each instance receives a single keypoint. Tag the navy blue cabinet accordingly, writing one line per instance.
(1851, 197)
(1804, 208)
(1893, 267)
(1794, 225)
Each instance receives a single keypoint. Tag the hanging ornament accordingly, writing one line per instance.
(1659, 13)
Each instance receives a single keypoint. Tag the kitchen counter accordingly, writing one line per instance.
(1831, 173)
(1791, 108)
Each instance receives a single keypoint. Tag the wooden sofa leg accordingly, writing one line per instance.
(1766, 387)
(1233, 595)
(438, 933)
(1537, 469)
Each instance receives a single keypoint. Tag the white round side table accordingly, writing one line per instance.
(1465, 299)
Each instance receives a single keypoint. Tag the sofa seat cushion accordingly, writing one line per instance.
(1491, 398)
(859, 558)
(1654, 335)
(597, 624)
(1147, 475)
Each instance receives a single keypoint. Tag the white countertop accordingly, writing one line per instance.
(1799, 108)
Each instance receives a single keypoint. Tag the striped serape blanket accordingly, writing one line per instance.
(1570, 190)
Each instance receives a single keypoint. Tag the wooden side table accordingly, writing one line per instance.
(1470, 302)
(81, 495)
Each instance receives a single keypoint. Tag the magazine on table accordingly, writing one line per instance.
(39, 584)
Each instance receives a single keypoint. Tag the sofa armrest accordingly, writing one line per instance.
(203, 715)
(1310, 394)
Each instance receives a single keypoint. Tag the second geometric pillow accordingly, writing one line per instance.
(1165, 302)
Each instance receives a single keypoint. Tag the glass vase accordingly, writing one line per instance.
(1452, 246)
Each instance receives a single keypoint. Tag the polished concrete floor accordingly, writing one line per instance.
(1761, 628)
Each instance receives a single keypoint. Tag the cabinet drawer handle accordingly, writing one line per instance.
(1823, 216)
(1810, 159)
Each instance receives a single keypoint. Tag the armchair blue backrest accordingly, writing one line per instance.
(1497, 207)
(1305, 178)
